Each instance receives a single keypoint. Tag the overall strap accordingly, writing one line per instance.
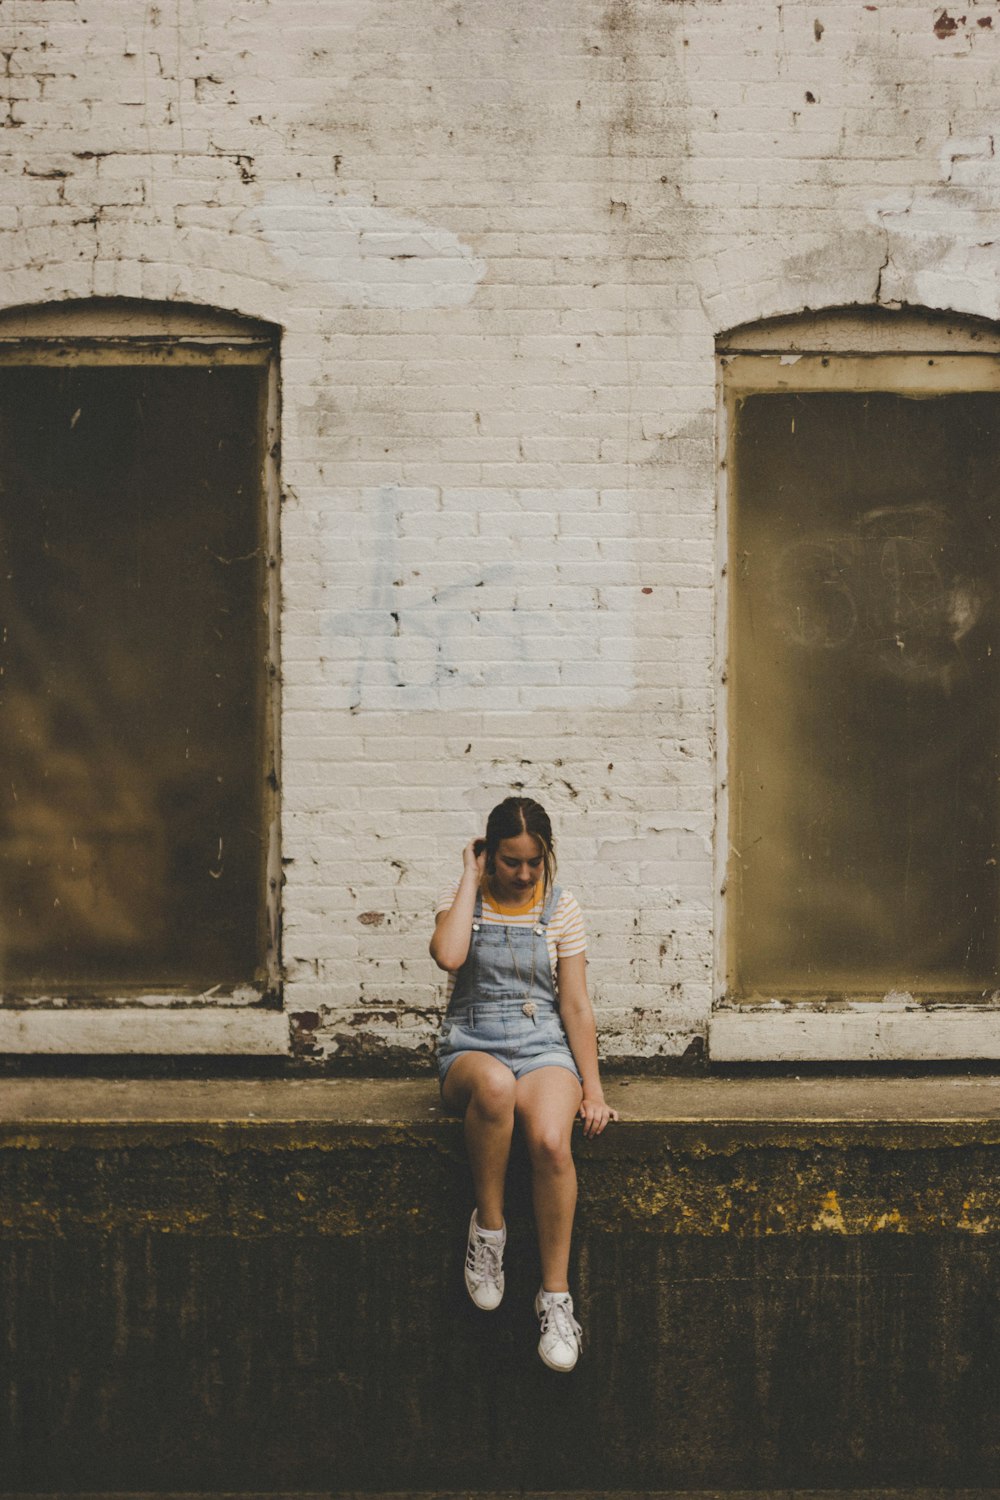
(551, 903)
(477, 910)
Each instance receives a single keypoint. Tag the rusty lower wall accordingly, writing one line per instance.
(246, 1309)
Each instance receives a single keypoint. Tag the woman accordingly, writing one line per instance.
(518, 1042)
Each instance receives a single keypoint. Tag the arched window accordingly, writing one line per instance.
(137, 663)
(862, 647)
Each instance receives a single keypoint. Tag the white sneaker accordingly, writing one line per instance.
(484, 1265)
(561, 1335)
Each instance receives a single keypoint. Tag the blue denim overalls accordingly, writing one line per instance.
(504, 1000)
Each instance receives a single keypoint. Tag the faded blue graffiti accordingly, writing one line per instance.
(421, 648)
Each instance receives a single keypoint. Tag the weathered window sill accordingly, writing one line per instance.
(799, 1033)
(178, 1029)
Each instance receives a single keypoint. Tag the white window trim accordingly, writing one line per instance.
(914, 352)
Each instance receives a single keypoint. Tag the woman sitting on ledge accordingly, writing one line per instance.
(518, 1041)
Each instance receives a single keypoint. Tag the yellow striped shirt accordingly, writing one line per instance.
(565, 934)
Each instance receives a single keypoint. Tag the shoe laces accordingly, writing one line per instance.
(484, 1259)
(558, 1317)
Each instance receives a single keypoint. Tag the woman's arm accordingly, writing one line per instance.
(453, 928)
(578, 1018)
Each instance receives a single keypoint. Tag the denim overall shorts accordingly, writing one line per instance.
(504, 999)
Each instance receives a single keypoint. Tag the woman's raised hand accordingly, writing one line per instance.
(453, 928)
(474, 856)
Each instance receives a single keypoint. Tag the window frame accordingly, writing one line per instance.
(906, 352)
(248, 1018)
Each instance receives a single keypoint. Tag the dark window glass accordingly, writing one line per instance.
(865, 652)
(133, 655)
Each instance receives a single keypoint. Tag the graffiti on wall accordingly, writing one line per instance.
(430, 632)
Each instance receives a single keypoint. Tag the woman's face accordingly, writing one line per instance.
(520, 864)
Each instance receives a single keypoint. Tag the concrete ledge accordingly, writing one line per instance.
(719, 1112)
(691, 1157)
(788, 1287)
(813, 1106)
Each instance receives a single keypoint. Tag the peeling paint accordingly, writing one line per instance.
(946, 25)
(356, 254)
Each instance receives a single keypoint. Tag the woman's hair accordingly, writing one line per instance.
(512, 817)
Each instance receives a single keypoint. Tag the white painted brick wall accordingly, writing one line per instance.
(500, 242)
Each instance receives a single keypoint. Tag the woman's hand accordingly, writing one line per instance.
(474, 857)
(453, 928)
(595, 1114)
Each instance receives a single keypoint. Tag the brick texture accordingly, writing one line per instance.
(500, 243)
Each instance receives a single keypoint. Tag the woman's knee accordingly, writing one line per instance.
(549, 1148)
(492, 1095)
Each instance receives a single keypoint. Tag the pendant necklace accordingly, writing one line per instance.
(528, 1005)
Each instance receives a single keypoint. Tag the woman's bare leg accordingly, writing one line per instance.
(483, 1089)
(546, 1102)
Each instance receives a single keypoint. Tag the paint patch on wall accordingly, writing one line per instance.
(942, 248)
(428, 630)
(363, 255)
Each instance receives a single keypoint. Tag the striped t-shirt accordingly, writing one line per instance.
(564, 936)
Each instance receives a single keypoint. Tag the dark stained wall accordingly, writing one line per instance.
(780, 1290)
